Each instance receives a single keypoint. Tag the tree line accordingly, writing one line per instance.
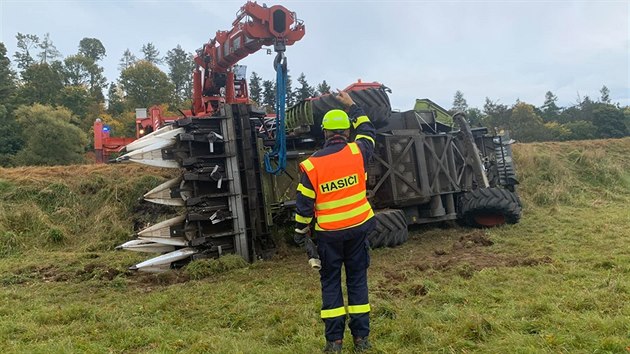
(48, 105)
(48, 102)
(586, 119)
(263, 92)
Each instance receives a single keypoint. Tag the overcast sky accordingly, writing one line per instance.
(421, 49)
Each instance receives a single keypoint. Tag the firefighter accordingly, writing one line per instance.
(331, 195)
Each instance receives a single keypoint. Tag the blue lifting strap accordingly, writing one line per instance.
(279, 151)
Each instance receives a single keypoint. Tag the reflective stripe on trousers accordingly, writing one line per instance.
(350, 248)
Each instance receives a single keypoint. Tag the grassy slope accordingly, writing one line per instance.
(557, 282)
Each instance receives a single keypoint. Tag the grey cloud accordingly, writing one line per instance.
(503, 50)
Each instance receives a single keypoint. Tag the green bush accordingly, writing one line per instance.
(56, 237)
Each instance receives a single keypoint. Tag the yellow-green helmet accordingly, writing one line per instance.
(336, 119)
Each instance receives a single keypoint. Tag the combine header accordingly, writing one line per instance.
(216, 149)
(423, 170)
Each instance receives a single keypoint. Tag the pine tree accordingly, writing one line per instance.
(549, 108)
(290, 100)
(255, 88)
(115, 103)
(605, 92)
(25, 42)
(7, 78)
(151, 54)
(269, 96)
(49, 51)
(127, 60)
(180, 65)
(305, 91)
(323, 88)
(459, 102)
(11, 140)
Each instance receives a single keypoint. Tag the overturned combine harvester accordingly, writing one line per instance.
(423, 170)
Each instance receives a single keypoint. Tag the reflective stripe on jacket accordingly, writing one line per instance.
(339, 184)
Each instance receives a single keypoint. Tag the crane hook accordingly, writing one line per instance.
(280, 58)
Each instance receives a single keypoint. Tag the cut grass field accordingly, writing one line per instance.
(559, 281)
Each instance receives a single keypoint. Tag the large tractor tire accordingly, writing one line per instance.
(374, 102)
(488, 207)
(390, 229)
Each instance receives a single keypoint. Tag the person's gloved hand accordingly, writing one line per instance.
(303, 238)
(300, 235)
(344, 98)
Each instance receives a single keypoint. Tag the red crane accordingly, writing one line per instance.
(214, 77)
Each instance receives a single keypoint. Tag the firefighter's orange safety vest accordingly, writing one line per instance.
(339, 180)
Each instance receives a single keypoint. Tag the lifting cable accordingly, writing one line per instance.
(280, 147)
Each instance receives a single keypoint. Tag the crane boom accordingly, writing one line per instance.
(255, 26)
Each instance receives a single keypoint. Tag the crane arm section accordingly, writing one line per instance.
(255, 26)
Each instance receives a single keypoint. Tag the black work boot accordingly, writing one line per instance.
(333, 347)
(361, 344)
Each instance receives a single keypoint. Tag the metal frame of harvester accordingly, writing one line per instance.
(423, 170)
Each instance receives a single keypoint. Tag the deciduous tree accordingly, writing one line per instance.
(77, 70)
(42, 83)
(497, 115)
(609, 121)
(80, 70)
(144, 85)
(475, 117)
(77, 99)
(11, 138)
(50, 138)
(581, 130)
(525, 124)
(92, 48)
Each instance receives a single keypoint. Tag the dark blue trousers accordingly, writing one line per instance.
(349, 247)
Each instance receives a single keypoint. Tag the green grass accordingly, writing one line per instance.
(557, 282)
